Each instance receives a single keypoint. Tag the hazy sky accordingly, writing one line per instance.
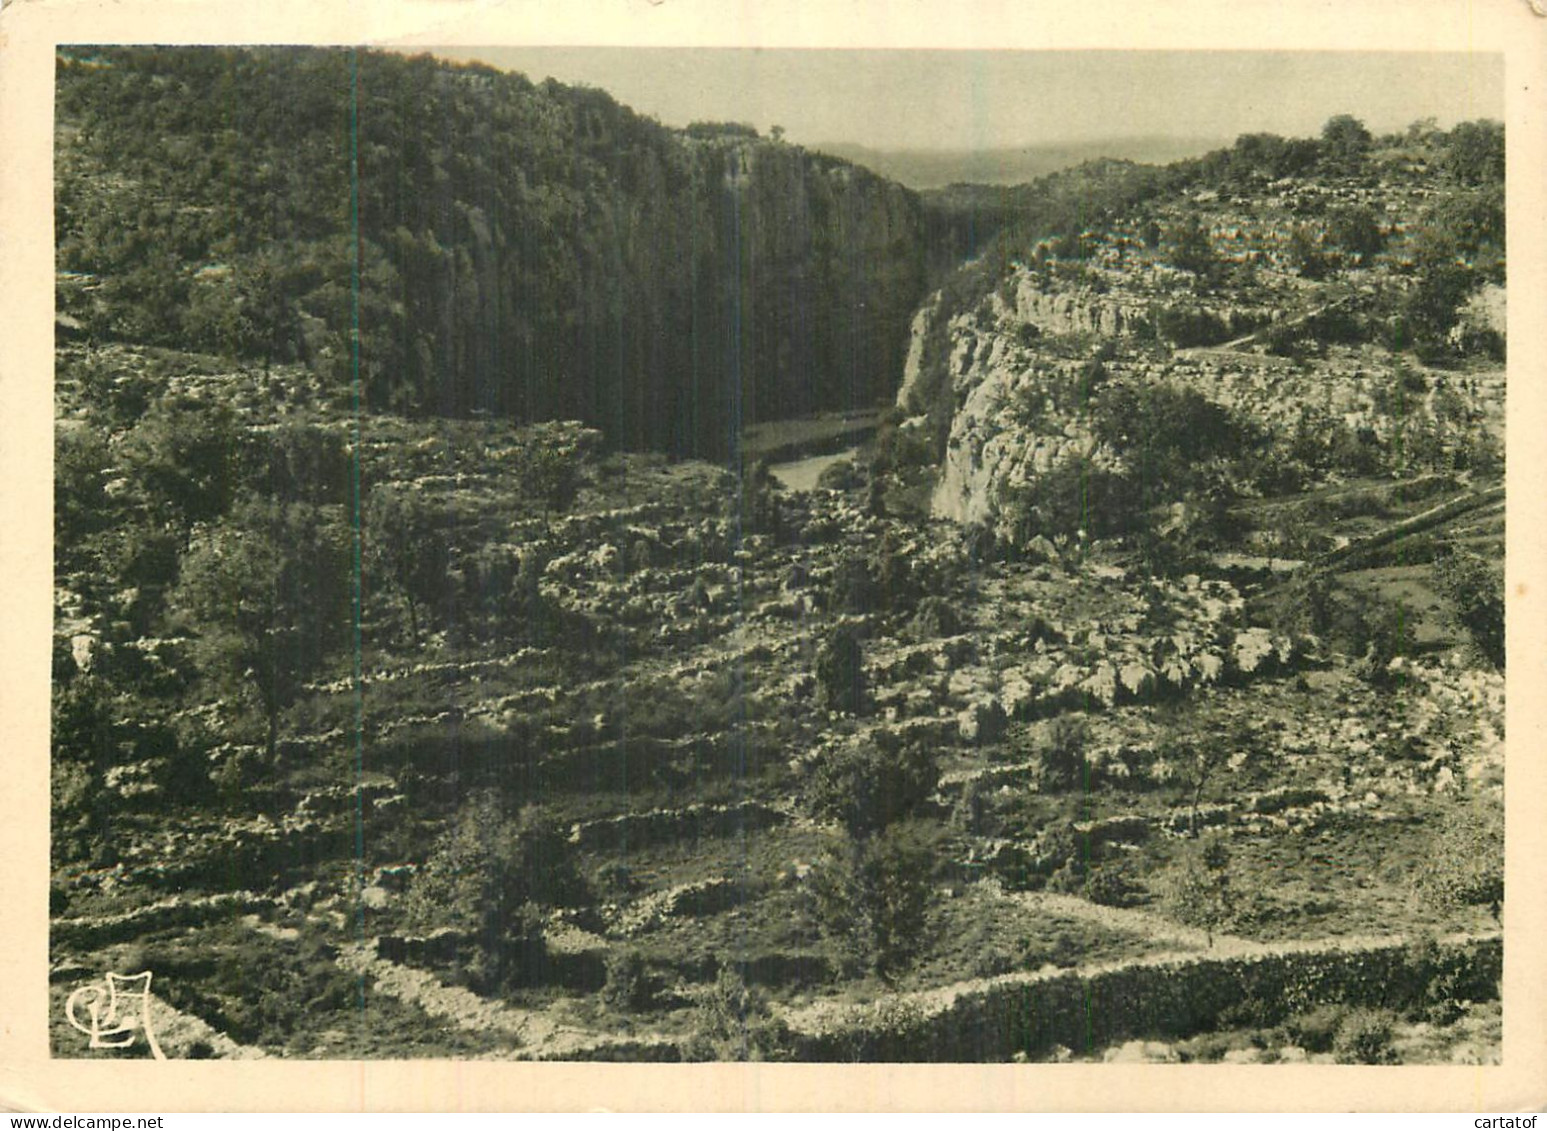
(970, 99)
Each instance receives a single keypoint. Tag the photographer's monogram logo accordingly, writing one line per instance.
(112, 1010)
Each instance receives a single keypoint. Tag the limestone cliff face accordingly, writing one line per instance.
(1071, 312)
(990, 449)
(1010, 418)
(997, 381)
(530, 251)
(910, 396)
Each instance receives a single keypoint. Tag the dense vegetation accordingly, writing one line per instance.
(533, 251)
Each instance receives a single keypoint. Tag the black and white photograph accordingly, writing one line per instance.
(697, 554)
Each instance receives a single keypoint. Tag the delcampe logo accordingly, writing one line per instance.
(110, 1012)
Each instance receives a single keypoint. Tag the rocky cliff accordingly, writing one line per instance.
(533, 251)
(1344, 347)
(1022, 406)
(989, 451)
(1080, 311)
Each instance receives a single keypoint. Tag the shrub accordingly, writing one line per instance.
(1073, 496)
(1380, 635)
(734, 1023)
(1336, 324)
(1440, 989)
(868, 787)
(936, 617)
(896, 586)
(1305, 255)
(1466, 863)
(1284, 340)
(853, 586)
(1356, 230)
(840, 475)
(1475, 590)
(489, 876)
(614, 879)
(840, 670)
(871, 896)
(1060, 753)
(973, 808)
(1199, 892)
(262, 991)
(1315, 1029)
(898, 448)
(759, 500)
(1364, 1037)
(1187, 326)
(1191, 250)
(1112, 887)
(1354, 451)
(630, 987)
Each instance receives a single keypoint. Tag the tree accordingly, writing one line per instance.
(733, 1022)
(408, 547)
(1193, 251)
(840, 670)
(1270, 155)
(217, 320)
(1474, 153)
(490, 876)
(1465, 229)
(1357, 231)
(1422, 131)
(1305, 255)
(548, 465)
(1475, 590)
(185, 456)
(1346, 142)
(266, 592)
(866, 787)
(708, 131)
(1199, 894)
(1060, 753)
(1432, 307)
(302, 462)
(871, 896)
(81, 463)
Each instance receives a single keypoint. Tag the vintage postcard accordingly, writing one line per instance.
(876, 556)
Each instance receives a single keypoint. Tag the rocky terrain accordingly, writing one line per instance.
(1148, 653)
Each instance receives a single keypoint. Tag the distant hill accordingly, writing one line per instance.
(936, 168)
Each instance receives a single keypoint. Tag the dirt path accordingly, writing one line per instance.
(177, 1032)
(1144, 923)
(532, 1034)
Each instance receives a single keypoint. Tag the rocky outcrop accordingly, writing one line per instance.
(1073, 312)
(1006, 425)
(909, 396)
(989, 450)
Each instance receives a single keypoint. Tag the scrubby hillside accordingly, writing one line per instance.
(1146, 668)
(533, 251)
(1264, 320)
